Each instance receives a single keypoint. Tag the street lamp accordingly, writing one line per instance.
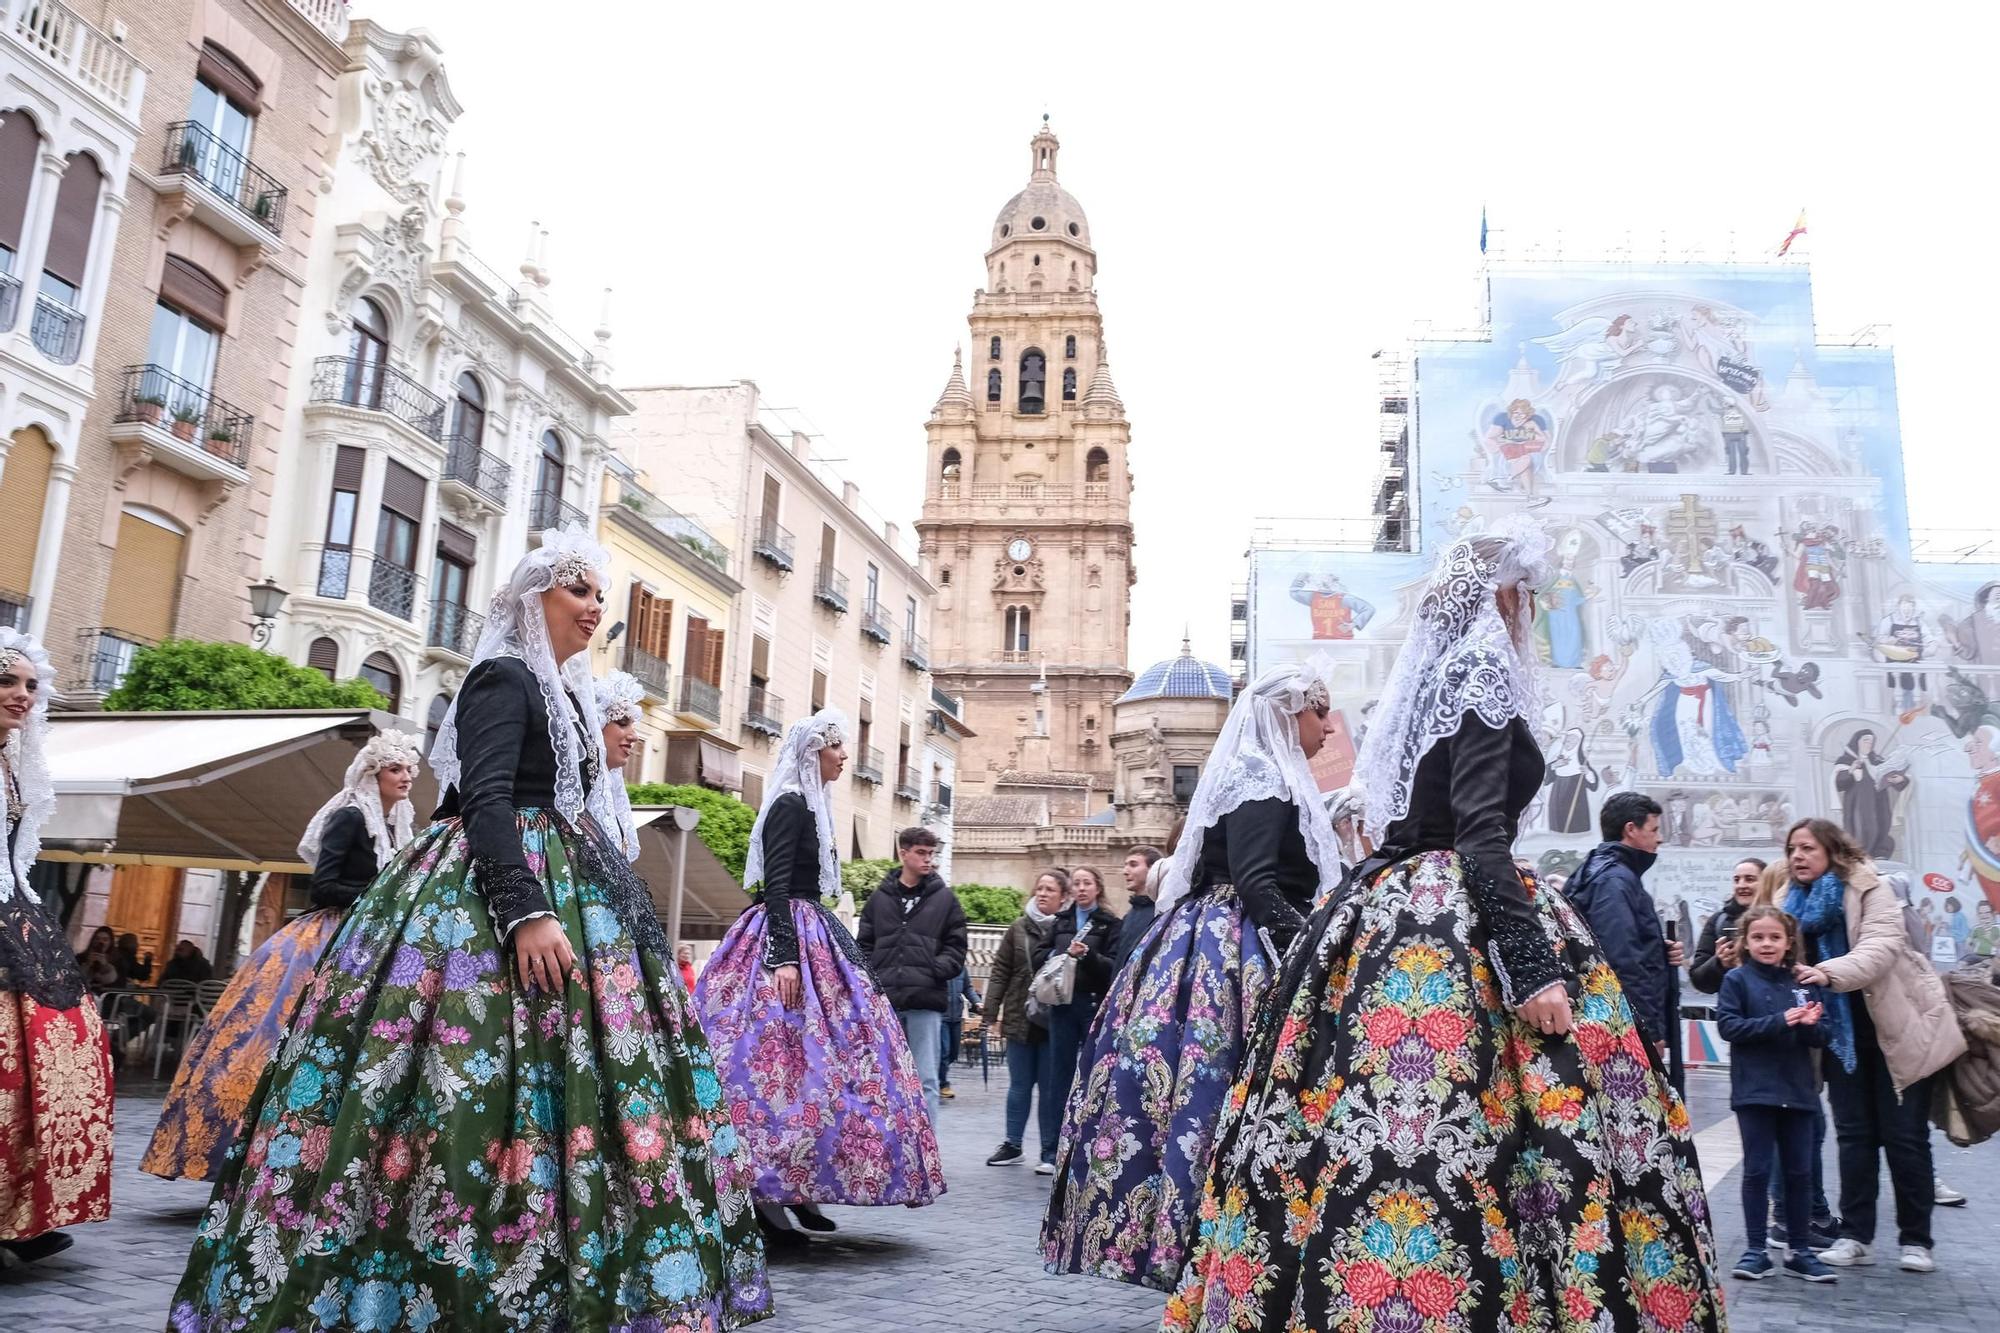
(266, 600)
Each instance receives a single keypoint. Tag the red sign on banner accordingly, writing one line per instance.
(1937, 883)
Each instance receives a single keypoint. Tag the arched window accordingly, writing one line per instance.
(324, 656)
(992, 386)
(1069, 384)
(468, 412)
(57, 329)
(1034, 375)
(367, 353)
(380, 671)
(994, 346)
(1069, 348)
(549, 482)
(948, 467)
(1097, 466)
(1016, 640)
(433, 720)
(20, 146)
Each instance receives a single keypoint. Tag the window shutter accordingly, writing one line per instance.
(222, 71)
(713, 664)
(348, 463)
(403, 491)
(635, 616)
(455, 543)
(145, 579)
(23, 486)
(695, 646)
(195, 293)
(324, 656)
(75, 215)
(20, 145)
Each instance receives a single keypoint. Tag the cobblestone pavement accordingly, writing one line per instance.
(968, 1262)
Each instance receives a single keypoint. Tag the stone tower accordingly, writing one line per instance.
(1027, 523)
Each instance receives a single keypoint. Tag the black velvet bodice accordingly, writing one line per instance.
(791, 871)
(1257, 847)
(346, 865)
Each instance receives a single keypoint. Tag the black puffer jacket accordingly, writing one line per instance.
(914, 940)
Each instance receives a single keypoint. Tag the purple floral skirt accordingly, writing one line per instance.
(826, 1097)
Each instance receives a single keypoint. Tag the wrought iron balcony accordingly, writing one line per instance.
(375, 387)
(547, 510)
(393, 589)
(764, 713)
(336, 568)
(916, 652)
(650, 671)
(455, 629)
(876, 625)
(664, 517)
(468, 465)
(10, 300)
(773, 544)
(153, 396)
(107, 656)
(14, 610)
(699, 699)
(909, 785)
(830, 588)
(868, 765)
(56, 330)
(194, 150)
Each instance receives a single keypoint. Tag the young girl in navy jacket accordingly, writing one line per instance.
(1772, 1025)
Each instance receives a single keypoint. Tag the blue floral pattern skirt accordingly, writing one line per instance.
(434, 1148)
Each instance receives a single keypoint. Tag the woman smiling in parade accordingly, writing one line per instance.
(1431, 1132)
(492, 1109)
(1257, 849)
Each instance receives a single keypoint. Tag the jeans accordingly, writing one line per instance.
(922, 1028)
(1069, 1024)
(954, 1033)
(1787, 1133)
(1871, 1121)
(1029, 1071)
(1822, 1211)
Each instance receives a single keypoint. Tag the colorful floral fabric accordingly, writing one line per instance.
(204, 1107)
(1161, 1056)
(435, 1148)
(1402, 1155)
(827, 1096)
(55, 1116)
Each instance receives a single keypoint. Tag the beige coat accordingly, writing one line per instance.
(1913, 1017)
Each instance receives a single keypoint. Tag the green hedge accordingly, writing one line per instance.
(185, 675)
(984, 904)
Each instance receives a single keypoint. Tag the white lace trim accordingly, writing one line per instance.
(617, 695)
(797, 770)
(359, 789)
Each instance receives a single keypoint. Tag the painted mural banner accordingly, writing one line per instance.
(1738, 625)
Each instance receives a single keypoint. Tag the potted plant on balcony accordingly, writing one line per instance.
(185, 420)
(222, 441)
(263, 208)
(149, 406)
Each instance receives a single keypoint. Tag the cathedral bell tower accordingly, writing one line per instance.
(1027, 525)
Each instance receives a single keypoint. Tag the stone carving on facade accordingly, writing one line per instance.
(402, 141)
(565, 408)
(1017, 576)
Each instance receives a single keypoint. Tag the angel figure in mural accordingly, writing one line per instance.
(1720, 348)
(1667, 428)
(1570, 779)
(1976, 638)
(1514, 442)
(1591, 689)
(1822, 562)
(1693, 726)
(1588, 348)
(1560, 625)
(1336, 613)
(1868, 781)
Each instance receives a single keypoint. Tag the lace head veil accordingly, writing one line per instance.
(618, 696)
(516, 627)
(1461, 657)
(1256, 757)
(389, 829)
(797, 770)
(27, 759)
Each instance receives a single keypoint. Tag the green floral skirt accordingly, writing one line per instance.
(434, 1148)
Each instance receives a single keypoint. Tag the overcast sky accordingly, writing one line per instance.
(802, 195)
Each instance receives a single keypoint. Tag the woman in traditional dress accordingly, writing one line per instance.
(473, 1122)
(55, 1069)
(1431, 1131)
(822, 1083)
(354, 835)
(1570, 780)
(620, 701)
(1257, 849)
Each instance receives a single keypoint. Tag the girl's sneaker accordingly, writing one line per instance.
(1805, 1265)
(1754, 1266)
(1847, 1253)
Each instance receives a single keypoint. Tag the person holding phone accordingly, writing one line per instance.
(1719, 948)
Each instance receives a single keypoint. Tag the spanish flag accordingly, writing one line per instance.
(1798, 230)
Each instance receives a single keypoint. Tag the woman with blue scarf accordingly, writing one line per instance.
(1889, 1028)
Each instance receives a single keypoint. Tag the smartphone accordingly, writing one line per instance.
(1673, 931)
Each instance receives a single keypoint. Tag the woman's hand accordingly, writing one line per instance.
(542, 956)
(1547, 1012)
(1077, 948)
(1807, 975)
(791, 987)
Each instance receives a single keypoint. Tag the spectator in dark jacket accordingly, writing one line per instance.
(1609, 891)
(1140, 882)
(188, 964)
(1088, 932)
(1719, 949)
(913, 936)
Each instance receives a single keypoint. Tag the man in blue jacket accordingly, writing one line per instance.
(1608, 890)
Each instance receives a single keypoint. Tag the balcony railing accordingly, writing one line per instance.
(90, 57)
(916, 652)
(393, 589)
(876, 625)
(830, 588)
(909, 785)
(674, 524)
(455, 629)
(700, 699)
(376, 387)
(548, 510)
(773, 544)
(868, 765)
(194, 150)
(14, 610)
(336, 568)
(107, 656)
(941, 796)
(1096, 490)
(10, 300)
(469, 465)
(765, 712)
(650, 671)
(155, 396)
(57, 330)
(329, 16)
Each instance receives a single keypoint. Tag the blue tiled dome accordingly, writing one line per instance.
(1183, 677)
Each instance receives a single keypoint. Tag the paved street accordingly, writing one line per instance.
(968, 1264)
